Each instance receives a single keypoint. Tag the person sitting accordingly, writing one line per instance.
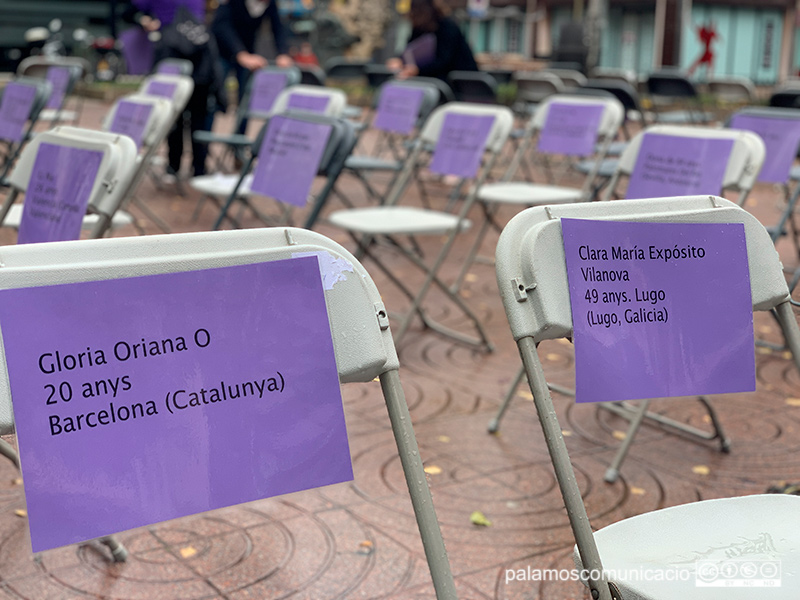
(436, 46)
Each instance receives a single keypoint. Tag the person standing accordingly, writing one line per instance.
(162, 16)
(436, 46)
(236, 25)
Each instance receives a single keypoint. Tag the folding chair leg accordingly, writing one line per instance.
(785, 314)
(570, 492)
(636, 415)
(494, 424)
(418, 489)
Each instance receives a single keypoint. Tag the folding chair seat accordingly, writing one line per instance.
(359, 331)
(21, 103)
(532, 278)
(738, 173)
(232, 188)
(668, 87)
(106, 186)
(487, 127)
(473, 86)
(394, 127)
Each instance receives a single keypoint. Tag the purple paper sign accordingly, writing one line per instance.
(266, 87)
(781, 137)
(461, 144)
(316, 104)
(289, 159)
(659, 309)
(58, 193)
(131, 119)
(177, 408)
(169, 69)
(15, 108)
(59, 78)
(678, 166)
(163, 89)
(398, 109)
(421, 51)
(571, 129)
(137, 50)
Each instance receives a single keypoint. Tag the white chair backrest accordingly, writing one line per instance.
(337, 99)
(610, 121)
(159, 120)
(359, 325)
(116, 168)
(732, 89)
(184, 87)
(36, 66)
(744, 163)
(501, 128)
(531, 249)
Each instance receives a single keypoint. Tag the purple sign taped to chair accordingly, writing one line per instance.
(570, 129)
(781, 137)
(178, 407)
(398, 109)
(59, 78)
(678, 166)
(461, 144)
(267, 85)
(58, 193)
(15, 108)
(308, 102)
(659, 309)
(131, 119)
(169, 69)
(289, 158)
(163, 89)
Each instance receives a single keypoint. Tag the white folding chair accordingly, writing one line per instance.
(741, 171)
(532, 278)
(108, 190)
(360, 330)
(21, 103)
(610, 114)
(73, 70)
(743, 165)
(367, 225)
(780, 130)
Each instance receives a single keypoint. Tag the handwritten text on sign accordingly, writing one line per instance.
(131, 119)
(659, 309)
(570, 129)
(461, 144)
(289, 159)
(58, 193)
(177, 408)
(678, 166)
(398, 109)
(15, 108)
(781, 138)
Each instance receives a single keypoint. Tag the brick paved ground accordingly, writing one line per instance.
(359, 540)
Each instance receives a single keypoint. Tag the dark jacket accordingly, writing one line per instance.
(236, 30)
(452, 51)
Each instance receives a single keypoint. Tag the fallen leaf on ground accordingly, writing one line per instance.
(793, 401)
(188, 552)
(432, 470)
(701, 470)
(637, 491)
(525, 394)
(619, 435)
(21, 513)
(478, 518)
(443, 438)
